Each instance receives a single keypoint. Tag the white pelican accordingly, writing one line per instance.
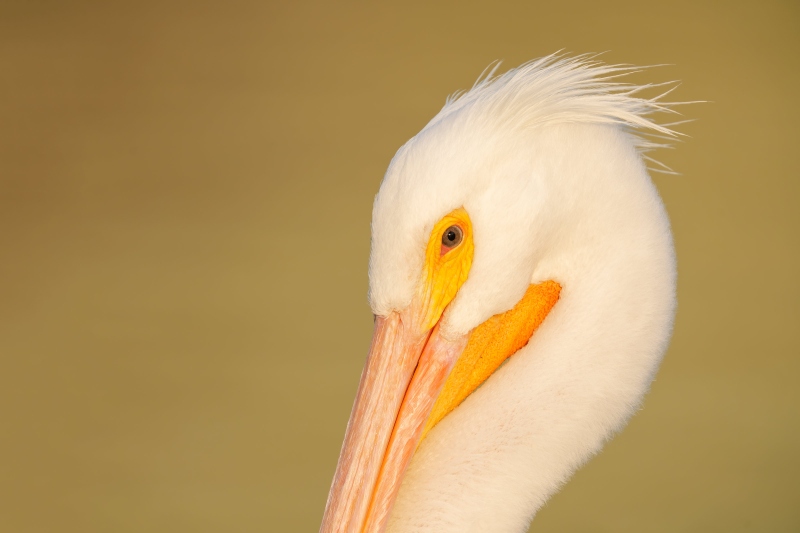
(520, 226)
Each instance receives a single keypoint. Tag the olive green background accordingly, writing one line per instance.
(185, 198)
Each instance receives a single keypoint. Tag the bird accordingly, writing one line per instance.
(522, 275)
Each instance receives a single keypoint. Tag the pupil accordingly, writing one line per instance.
(451, 235)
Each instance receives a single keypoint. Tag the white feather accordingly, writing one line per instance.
(547, 162)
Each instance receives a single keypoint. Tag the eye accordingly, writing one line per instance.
(452, 237)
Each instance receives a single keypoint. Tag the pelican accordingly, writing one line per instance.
(522, 276)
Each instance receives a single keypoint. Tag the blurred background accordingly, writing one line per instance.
(185, 199)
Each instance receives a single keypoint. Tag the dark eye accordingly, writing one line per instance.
(452, 237)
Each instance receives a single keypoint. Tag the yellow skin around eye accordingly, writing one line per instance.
(445, 273)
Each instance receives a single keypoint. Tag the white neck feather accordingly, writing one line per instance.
(491, 464)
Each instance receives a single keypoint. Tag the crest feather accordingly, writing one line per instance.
(562, 89)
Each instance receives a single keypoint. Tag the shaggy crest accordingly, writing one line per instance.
(560, 89)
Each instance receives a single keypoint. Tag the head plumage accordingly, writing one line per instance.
(563, 89)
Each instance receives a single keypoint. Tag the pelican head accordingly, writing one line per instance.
(522, 276)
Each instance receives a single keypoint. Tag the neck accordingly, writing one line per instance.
(492, 462)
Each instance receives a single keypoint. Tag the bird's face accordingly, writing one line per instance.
(528, 182)
(455, 233)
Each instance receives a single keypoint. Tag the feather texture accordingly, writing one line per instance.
(548, 161)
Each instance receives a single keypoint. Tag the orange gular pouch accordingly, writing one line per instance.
(490, 344)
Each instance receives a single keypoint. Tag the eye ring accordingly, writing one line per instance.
(452, 237)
